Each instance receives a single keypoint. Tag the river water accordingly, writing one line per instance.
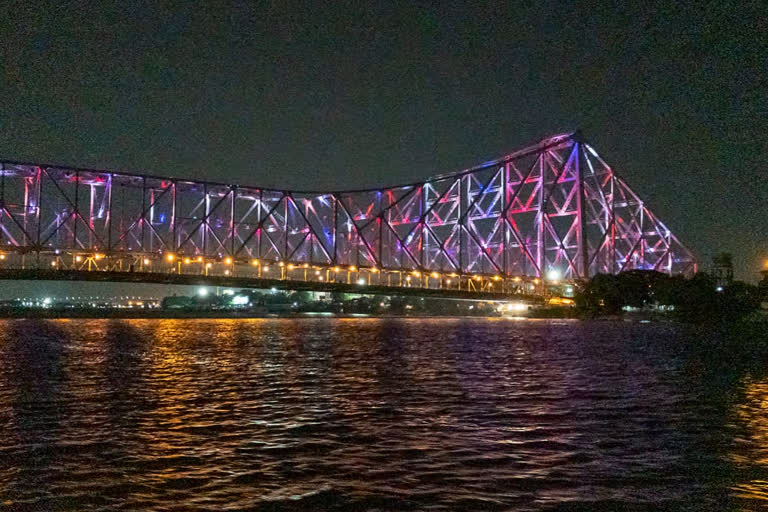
(376, 414)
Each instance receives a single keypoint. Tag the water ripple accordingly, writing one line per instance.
(373, 414)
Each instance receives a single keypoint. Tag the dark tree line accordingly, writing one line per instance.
(697, 299)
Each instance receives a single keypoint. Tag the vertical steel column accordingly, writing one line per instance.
(259, 226)
(613, 223)
(380, 220)
(143, 218)
(108, 219)
(2, 199)
(503, 220)
(335, 222)
(151, 218)
(77, 209)
(540, 242)
(461, 228)
(174, 223)
(27, 240)
(38, 242)
(284, 199)
(232, 191)
(90, 215)
(422, 209)
(204, 224)
(582, 236)
(642, 234)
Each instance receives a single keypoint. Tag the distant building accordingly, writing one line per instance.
(722, 269)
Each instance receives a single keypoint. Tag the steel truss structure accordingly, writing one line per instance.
(553, 208)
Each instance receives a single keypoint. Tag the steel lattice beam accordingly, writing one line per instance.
(552, 207)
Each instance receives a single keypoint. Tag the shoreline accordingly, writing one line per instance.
(165, 314)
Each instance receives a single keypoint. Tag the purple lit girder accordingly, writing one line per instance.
(552, 207)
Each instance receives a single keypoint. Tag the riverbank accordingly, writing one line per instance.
(181, 314)
(139, 313)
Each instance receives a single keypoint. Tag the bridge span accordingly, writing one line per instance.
(553, 211)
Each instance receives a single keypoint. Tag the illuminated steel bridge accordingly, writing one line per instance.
(554, 210)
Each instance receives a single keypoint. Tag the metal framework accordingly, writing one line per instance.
(552, 209)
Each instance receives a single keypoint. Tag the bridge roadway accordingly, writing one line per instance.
(257, 283)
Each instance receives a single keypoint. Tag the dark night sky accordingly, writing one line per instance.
(338, 96)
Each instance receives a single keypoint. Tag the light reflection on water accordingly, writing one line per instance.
(374, 414)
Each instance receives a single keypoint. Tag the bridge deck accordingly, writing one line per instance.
(256, 283)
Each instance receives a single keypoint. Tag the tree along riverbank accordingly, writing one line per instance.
(735, 309)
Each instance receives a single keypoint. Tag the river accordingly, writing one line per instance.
(376, 414)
